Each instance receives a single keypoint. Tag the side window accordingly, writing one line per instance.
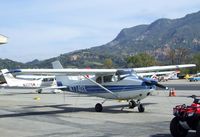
(99, 80)
(108, 78)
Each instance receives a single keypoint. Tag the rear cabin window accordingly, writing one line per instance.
(99, 80)
(47, 79)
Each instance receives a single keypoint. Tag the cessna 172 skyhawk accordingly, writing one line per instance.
(118, 84)
(37, 82)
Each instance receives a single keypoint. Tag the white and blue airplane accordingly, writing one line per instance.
(39, 83)
(117, 84)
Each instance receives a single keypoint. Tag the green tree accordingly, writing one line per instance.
(108, 63)
(196, 60)
(178, 55)
(171, 54)
(141, 60)
(182, 55)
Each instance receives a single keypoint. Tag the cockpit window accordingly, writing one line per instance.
(105, 79)
(108, 78)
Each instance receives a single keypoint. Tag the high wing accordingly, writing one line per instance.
(72, 72)
(157, 68)
(76, 72)
(156, 73)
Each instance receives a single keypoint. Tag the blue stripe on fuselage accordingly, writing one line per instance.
(96, 89)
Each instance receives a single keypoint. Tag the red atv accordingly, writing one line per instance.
(186, 118)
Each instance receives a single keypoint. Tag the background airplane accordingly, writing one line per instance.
(38, 82)
(118, 84)
(161, 76)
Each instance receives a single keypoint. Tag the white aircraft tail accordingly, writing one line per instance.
(56, 65)
(61, 80)
(10, 79)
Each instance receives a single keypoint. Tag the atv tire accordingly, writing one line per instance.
(198, 129)
(176, 129)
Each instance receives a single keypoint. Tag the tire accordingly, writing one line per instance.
(176, 129)
(98, 107)
(198, 129)
(39, 91)
(132, 104)
(141, 108)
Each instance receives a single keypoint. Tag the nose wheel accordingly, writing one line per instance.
(133, 104)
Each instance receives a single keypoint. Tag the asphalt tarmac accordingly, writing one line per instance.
(27, 114)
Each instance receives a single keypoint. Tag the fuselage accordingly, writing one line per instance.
(129, 87)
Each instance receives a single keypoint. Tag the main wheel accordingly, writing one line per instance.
(39, 91)
(132, 104)
(198, 129)
(141, 108)
(98, 107)
(176, 129)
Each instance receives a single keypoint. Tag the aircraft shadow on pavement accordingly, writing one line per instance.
(18, 93)
(66, 108)
(23, 93)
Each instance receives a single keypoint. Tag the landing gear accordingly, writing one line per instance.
(133, 104)
(39, 91)
(98, 107)
(141, 108)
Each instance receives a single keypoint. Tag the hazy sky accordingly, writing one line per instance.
(40, 29)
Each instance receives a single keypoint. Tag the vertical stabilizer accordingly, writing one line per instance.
(61, 80)
(56, 65)
(10, 79)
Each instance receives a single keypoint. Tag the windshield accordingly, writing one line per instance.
(121, 74)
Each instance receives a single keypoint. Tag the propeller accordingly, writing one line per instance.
(193, 96)
(161, 86)
(151, 82)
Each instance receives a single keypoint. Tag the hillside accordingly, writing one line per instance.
(157, 38)
(9, 64)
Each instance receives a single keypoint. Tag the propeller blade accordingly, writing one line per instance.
(193, 96)
(161, 86)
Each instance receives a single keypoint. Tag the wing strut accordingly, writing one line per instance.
(102, 87)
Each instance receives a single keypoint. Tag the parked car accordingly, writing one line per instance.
(195, 78)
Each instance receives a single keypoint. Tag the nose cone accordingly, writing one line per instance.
(150, 81)
(153, 83)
